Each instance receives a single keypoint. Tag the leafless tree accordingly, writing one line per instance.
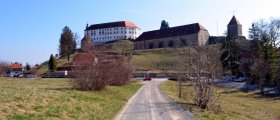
(3, 68)
(201, 66)
(101, 69)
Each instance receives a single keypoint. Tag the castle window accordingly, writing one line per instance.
(151, 45)
(160, 45)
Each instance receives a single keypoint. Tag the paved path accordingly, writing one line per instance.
(150, 104)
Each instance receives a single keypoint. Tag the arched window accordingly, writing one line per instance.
(151, 45)
(160, 44)
(170, 43)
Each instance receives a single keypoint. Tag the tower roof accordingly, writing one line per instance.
(234, 21)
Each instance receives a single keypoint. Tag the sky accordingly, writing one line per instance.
(30, 29)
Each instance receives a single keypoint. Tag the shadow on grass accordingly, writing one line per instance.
(259, 95)
(230, 91)
(60, 88)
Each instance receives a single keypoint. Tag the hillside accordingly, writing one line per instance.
(159, 59)
(121, 46)
(154, 59)
(43, 68)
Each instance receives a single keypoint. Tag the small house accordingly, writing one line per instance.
(15, 70)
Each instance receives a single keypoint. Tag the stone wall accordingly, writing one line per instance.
(199, 39)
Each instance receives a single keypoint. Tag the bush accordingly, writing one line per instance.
(101, 70)
(122, 73)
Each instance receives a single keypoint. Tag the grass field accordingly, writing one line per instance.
(158, 59)
(234, 105)
(22, 99)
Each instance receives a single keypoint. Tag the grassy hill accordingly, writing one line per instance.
(159, 59)
(43, 68)
(155, 59)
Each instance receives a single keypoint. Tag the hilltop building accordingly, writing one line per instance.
(86, 43)
(107, 32)
(192, 34)
(234, 28)
(234, 31)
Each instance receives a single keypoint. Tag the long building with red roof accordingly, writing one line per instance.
(108, 32)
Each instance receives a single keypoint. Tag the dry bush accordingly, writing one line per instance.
(3, 68)
(199, 65)
(100, 70)
(121, 71)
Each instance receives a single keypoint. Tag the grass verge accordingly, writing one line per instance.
(235, 105)
(23, 99)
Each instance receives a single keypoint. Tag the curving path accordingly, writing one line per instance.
(150, 104)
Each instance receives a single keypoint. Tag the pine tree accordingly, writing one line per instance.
(27, 67)
(67, 43)
(52, 63)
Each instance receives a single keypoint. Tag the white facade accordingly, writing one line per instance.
(104, 35)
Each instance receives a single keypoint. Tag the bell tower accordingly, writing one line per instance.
(234, 29)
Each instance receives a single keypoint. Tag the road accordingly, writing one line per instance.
(150, 104)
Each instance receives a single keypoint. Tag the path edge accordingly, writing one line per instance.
(122, 111)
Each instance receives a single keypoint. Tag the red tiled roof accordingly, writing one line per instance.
(234, 21)
(15, 66)
(171, 32)
(112, 25)
(83, 58)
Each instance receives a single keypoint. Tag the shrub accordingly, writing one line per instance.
(100, 70)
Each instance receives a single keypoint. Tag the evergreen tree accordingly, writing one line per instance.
(164, 25)
(230, 57)
(27, 67)
(67, 43)
(52, 63)
(254, 32)
(268, 56)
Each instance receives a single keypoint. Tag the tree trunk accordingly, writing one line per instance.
(68, 57)
(180, 87)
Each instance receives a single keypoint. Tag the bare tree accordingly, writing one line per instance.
(201, 66)
(3, 68)
(101, 69)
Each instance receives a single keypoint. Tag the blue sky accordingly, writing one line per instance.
(30, 29)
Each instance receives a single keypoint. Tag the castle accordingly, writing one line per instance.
(108, 32)
(185, 35)
(192, 34)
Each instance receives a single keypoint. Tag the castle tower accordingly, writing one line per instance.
(86, 43)
(234, 28)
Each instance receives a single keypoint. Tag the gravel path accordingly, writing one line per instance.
(150, 104)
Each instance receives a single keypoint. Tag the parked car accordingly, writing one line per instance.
(147, 79)
(29, 76)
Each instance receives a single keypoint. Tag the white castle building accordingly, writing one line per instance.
(107, 32)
